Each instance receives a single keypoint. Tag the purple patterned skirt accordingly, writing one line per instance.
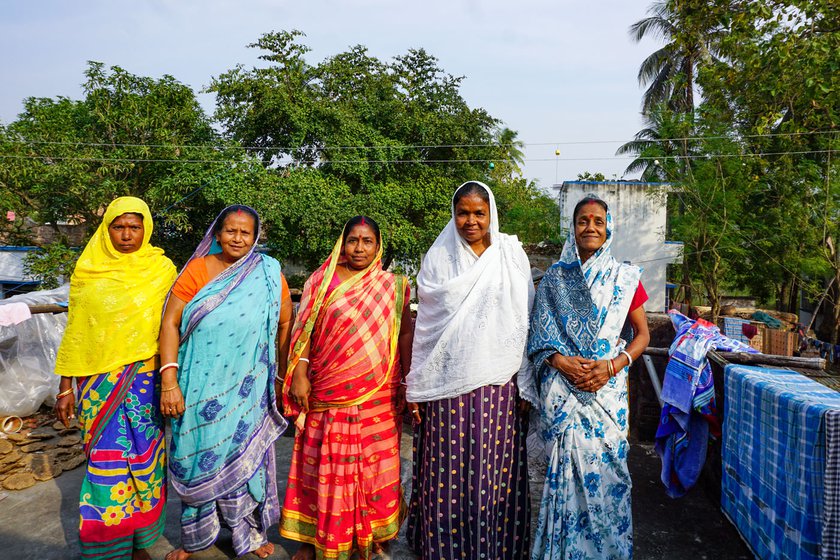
(469, 496)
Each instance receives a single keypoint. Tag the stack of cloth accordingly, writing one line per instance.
(733, 328)
(781, 462)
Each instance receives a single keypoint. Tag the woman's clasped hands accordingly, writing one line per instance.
(585, 374)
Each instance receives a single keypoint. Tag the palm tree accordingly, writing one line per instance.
(670, 72)
(658, 145)
(646, 147)
(512, 147)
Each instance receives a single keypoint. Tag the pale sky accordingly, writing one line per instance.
(561, 73)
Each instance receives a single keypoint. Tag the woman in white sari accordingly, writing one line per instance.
(581, 363)
(468, 376)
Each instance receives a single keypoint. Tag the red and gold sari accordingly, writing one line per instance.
(344, 489)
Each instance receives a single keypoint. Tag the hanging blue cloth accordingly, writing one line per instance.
(689, 412)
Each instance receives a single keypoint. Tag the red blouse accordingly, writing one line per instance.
(639, 298)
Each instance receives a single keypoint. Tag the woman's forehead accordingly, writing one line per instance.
(239, 218)
(472, 202)
(361, 230)
(592, 209)
(127, 218)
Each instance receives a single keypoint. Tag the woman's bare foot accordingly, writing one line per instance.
(379, 547)
(305, 552)
(178, 554)
(265, 550)
(140, 554)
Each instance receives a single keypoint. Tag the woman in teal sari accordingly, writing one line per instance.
(228, 314)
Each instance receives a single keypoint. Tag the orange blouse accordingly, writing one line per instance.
(195, 277)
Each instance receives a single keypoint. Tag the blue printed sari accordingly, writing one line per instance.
(221, 458)
(579, 310)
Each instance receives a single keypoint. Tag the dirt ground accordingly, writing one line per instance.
(41, 522)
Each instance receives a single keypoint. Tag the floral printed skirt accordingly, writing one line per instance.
(585, 511)
(470, 495)
(123, 497)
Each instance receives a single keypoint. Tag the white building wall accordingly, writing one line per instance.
(639, 218)
(12, 267)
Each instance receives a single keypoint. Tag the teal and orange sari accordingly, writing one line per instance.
(123, 496)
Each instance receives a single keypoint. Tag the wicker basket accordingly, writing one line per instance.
(780, 343)
(757, 341)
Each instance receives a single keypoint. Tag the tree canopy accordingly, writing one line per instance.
(397, 136)
(307, 144)
(753, 159)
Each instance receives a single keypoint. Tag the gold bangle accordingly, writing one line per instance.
(176, 386)
(64, 393)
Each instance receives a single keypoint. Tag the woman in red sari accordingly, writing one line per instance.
(351, 346)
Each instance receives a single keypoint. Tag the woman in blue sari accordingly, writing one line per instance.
(227, 317)
(581, 361)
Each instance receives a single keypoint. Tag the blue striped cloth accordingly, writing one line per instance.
(775, 454)
(831, 511)
(733, 328)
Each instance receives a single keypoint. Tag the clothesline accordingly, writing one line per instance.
(828, 351)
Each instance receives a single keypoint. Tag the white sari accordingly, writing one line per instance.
(472, 321)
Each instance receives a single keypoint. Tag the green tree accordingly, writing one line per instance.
(766, 120)
(670, 72)
(396, 135)
(351, 134)
(595, 177)
(709, 197)
(65, 160)
(659, 142)
(778, 84)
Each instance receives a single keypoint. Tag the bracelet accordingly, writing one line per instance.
(169, 365)
(172, 388)
(629, 357)
(64, 393)
(279, 379)
(303, 360)
(611, 368)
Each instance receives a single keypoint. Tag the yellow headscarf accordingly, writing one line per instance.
(116, 300)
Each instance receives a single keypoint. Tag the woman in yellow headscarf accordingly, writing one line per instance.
(110, 348)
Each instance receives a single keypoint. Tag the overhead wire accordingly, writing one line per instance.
(419, 160)
(426, 161)
(414, 146)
